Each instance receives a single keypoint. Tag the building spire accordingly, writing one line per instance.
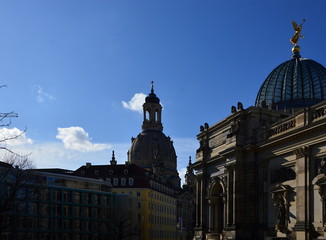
(113, 161)
(152, 87)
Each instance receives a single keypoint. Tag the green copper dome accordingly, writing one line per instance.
(298, 82)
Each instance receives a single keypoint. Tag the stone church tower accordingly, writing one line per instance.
(151, 149)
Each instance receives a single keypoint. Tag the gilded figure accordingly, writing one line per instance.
(294, 40)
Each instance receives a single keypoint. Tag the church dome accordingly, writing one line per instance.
(152, 146)
(298, 82)
(152, 149)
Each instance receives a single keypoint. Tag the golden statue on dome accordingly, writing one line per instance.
(294, 40)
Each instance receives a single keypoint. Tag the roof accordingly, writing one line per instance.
(142, 177)
(298, 82)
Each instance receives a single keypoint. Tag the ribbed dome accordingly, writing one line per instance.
(151, 146)
(299, 82)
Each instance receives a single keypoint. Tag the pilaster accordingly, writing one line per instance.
(302, 168)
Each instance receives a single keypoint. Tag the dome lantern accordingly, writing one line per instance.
(152, 110)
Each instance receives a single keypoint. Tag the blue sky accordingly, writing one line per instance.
(73, 67)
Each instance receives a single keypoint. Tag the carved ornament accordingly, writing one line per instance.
(302, 152)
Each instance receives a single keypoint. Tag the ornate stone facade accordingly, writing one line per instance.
(255, 185)
(260, 172)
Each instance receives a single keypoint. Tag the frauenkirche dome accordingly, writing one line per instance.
(152, 149)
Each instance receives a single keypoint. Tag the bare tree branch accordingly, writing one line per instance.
(16, 180)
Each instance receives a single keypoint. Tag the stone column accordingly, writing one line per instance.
(210, 216)
(198, 204)
(230, 196)
(302, 168)
(203, 203)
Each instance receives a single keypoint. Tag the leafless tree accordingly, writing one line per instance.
(120, 224)
(122, 228)
(16, 175)
(5, 121)
(17, 185)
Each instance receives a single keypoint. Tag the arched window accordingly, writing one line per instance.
(156, 116)
(115, 182)
(148, 115)
(216, 205)
(131, 181)
(123, 182)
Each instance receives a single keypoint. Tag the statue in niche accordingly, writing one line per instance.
(322, 167)
(282, 195)
(280, 213)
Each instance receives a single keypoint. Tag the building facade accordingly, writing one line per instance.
(55, 205)
(260, 172)
(156, 200)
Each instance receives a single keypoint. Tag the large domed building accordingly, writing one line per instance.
(298, 82)
(152, 149)
(261, 171)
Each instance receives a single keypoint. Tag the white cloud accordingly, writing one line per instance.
(13, 137)
(42, 95)
(57, 155)
(136, 102)
(182, 173)
(78, 149)
(76, 138)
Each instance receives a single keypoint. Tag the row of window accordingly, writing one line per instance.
(123, 181)
(51, 210)
(161, 198)
(161, 188)
(161, 208)
(138, 193)
(159, 220)
(55, 236)
(161, 234)
(66, 196)
(73, 225)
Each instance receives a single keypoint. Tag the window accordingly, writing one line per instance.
(131, 181)
(115, 182)
(125, 171)
(89, 198)
(156, 116)
(109, 180)
(147, 117)
(123, 182)
(138, 194)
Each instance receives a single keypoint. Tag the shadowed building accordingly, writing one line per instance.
(260, 172)
(166, 211)
(151, 149)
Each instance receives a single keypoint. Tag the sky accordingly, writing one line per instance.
(76, 72)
